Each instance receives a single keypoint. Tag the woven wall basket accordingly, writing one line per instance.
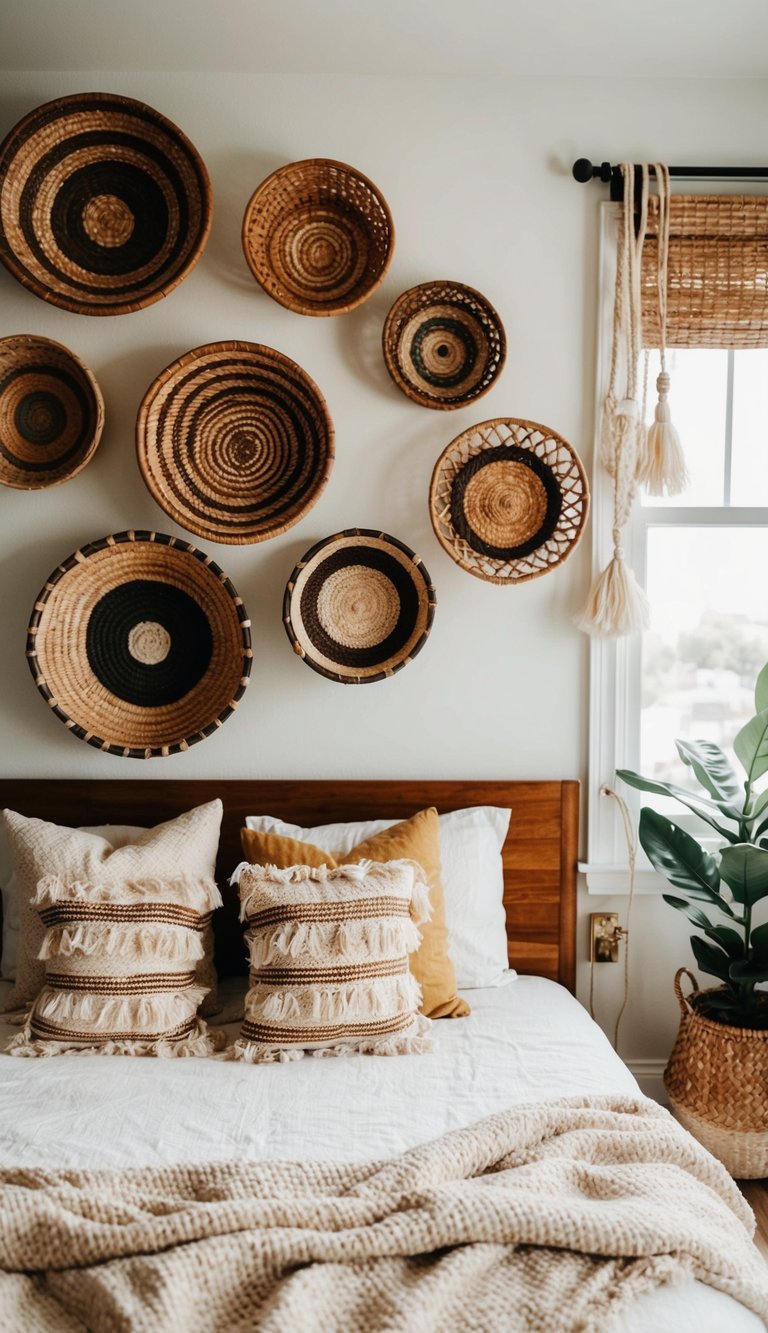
(444, 344)
(104, 204)
(508, 500)
(717, 1080)
(140, 645)
(51, 413)
(235, 442)
(359, 606)
(318, 236)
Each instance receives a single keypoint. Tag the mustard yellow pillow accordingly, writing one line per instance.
(415, 839)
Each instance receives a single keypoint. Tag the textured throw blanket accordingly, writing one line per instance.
(546, 1217)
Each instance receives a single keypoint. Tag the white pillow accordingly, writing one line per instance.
(470, 853)
(118, 834)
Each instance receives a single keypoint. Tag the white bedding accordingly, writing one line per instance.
(523, 1042)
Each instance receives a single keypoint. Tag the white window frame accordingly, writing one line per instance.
(615, 664)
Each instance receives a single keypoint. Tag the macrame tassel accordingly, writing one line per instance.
(202, 1042)
(663, 470)
(617, 603)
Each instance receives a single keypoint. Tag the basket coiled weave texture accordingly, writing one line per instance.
(444, 344)
(318, 236)
(51, 413)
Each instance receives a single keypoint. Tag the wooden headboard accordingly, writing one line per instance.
(539, 855)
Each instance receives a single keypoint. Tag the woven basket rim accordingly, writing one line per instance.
(261, 272)
(15, 136)
(403, 383)
(97, 427)
(161, 541)
(196, 355)
(451, 546)
(348, 537)
(733, 1030)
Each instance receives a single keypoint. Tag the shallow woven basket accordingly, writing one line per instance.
(140, 645)
(717, 1081)
(508, 500)
(359, 606)
(235, 442)
(444, 344)
(51, 413)
(318, 236)
(104, 204)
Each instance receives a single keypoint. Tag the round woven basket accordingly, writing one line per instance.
(318, 236)
(359, 606)
(444, 344)
(508, 500)
(235, 442)
(104, 204)
(717, 1081)
(51, 413)
(140, 645)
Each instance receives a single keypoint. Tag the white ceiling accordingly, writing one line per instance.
(669, 38)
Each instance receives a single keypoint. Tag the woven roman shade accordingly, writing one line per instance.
(717, 283)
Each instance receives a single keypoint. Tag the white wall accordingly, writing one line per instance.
(477, 174)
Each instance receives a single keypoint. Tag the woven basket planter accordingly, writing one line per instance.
(105, 205)
(444, 344)
(235, 442)
(318, 236)
(508, 500)
(51, 413)
(717, 1081)
(140, 645)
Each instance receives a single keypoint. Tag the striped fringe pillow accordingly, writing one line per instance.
(120, 969)
(328, 952)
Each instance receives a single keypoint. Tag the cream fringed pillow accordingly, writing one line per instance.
(328, 953)
(123, 937)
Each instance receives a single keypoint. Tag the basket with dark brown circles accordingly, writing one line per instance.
(51, 413)
(140, 644)
(359, 606)
(508, 500)
(444, 344)
(318, 236)
(235, 442)
(105, 205)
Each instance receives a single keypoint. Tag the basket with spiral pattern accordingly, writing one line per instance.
(235, 442)
(359, 606)
(717, 1080)
(444, 344)
(318, 236)
(105, 205)
(509, 500)
(51, 413)
(140, 645)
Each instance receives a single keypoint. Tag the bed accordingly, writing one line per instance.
(526, 1042)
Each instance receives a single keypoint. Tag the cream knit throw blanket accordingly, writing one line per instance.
(550, 1217)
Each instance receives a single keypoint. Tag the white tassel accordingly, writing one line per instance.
(356, 1002)
(616, 604)
(348, 941)
(201, 1042)
(663, 470)
(164, 1009)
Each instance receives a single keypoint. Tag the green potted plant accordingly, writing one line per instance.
(717, 1075)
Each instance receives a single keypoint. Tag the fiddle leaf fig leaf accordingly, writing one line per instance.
(690, 910)
(751, 746)
(679, 858)
(710, 958)
(715, 773)
(758, 943)
(759, 804)
(761, 690)
(748, 971)
(745, 870)
(728, 939)
(700, 805)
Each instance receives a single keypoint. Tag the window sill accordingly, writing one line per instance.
(611, 881)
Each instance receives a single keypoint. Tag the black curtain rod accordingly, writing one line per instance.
(584, 171)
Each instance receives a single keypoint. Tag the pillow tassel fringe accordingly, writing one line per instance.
(201, 1042)
(414, 1041)
(172, 944)
(159, 1010)
(349, 940)
(200, 894)
(353, 1003)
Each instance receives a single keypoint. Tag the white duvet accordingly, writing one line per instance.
(527, 1041)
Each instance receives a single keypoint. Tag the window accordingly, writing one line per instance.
(703, 559)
